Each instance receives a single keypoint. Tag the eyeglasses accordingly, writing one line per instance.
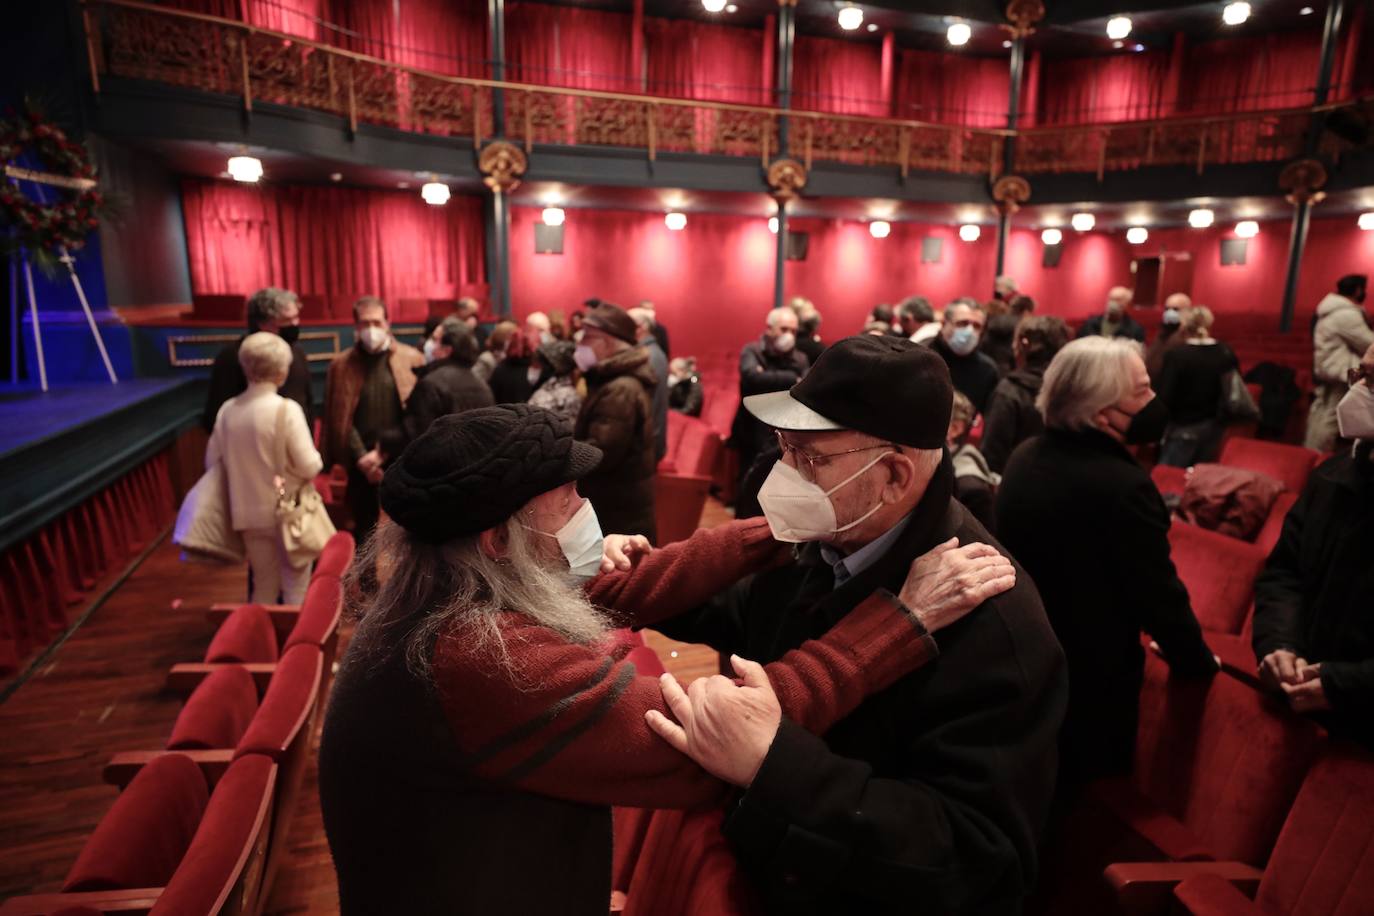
(805, 462)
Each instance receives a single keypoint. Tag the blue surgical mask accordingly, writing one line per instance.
(963, 341)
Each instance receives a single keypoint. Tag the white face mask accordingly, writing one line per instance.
(784, 342)
(374, 340)
(533, 373)
(1355, 413)
(429, 351)
(581, 541)
(798, 510)
(585, 357)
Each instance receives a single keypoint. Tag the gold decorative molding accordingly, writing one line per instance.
(1010, 192)
(787, 3)
(1023, 15)
(501, 165)
(786, 178)
(179, 361)
(1304, 180)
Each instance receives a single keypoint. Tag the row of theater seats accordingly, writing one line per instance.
(200, 825)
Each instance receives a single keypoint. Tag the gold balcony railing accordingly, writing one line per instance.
(134, 40)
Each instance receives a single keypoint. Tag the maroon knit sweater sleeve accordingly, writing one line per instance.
(567, 720)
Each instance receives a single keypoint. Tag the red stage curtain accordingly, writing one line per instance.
(844, 77)
(1249, 74)
(566, 46)
(446, 36)
(1119, 87)
(59, 565)
(952, 88)
(699, 60)
(338, 243)
(295, 17)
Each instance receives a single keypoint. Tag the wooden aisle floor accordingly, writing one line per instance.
(102, 692)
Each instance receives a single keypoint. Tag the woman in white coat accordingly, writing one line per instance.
(261, 437)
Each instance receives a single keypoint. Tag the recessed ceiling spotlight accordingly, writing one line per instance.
(1118, 45)
(1118, 27)
(851, 17)
(553, 216)
(675, 221)
(1305, 11)
(1366, 221)
(435, 193)
(1200, 219)
(880, 228)
(959, 33)
(731, 8)
(1247, 229)
(873, 26)
(969, 232)
(1137, 235)
(1083, 222)
(773, 224)
(1235, 13)
(713, 6)
(1138, 48)
(336, 176)
(247, 169)
(1006, 43)
(403, 185)
(1052, 236)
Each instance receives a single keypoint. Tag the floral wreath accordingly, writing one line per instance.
(44, 229)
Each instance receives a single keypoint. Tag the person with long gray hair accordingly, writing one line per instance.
(484, 720)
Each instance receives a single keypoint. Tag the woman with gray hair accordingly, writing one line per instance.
(1088, 524)
(264, 444)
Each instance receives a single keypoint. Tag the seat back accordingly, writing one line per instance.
(1268, 536)
(1323, 863)
(1289, 464)
(142, 839)
(1169, 480)
(1219, 572)
(698, 448)
(1222, 758)
(217, 712)
(222, 870)
(337, 555)
(318, 623)
(246, 636)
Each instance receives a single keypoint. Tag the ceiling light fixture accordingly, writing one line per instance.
(1083, 222)
(1366, 221)
(1051, 236)
(731, 8)
(773, 224)
(959, 33)
(1118, 27)
(1006, 42)
(553, 216)
(1138, 47)
(336, 176)
(1200, 219)
(435, 193)
(873, 26)
(851, 17)
(1118, 45)
(1247, 229)
(1235, 13)
(245, 168)
(713, 6)
(880, 228)
(1137, 235)
(969, 232)
(1305, 11)
(675, 221)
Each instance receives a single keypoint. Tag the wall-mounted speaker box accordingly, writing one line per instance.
(797, 244)
(1233, 251)
(548, 239)
(1052, 254)
(932, 247)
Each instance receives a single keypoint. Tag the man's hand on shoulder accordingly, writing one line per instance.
(947, 583)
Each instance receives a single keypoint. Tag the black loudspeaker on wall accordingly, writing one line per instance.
(548, 239)
(797, 244)
(1233, 251)
(1051, 255)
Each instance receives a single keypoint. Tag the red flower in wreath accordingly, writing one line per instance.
(62, 217)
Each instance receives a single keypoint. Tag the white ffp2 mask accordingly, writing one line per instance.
(798, 510)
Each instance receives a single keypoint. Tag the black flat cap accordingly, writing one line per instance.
(612, 319)
(473, 470)
(887, 387)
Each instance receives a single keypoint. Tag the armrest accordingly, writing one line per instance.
(123, 767)
(283, 616)
(1147, 887)
(137, 900)
(186, 677)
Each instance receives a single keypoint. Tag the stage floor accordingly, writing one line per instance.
(28, 415)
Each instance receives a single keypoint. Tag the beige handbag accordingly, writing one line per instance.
(304, 521)
(204, 529)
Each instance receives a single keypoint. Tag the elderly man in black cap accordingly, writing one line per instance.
(482, 723)
(618, 418)
(929, 798)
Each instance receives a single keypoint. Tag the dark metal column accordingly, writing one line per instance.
(787, 29)
(1018, 67)
(498, 253)
(496, 27)
(778, 276)
(1302, 212)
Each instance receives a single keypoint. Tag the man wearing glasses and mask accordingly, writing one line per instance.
(930, 796)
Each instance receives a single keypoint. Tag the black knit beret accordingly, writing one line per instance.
(473, 470)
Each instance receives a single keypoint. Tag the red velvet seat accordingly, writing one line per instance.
(222, 869)
(1268, 536)
(318, 621)
(1289, 464)
(143, 837)
(246, 637)
(217, 713)
(1219, 572)
(684, 477)
(336, 557)
(1169, 480)
(286, 706)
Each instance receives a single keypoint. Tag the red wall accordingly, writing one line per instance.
(712, 283)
